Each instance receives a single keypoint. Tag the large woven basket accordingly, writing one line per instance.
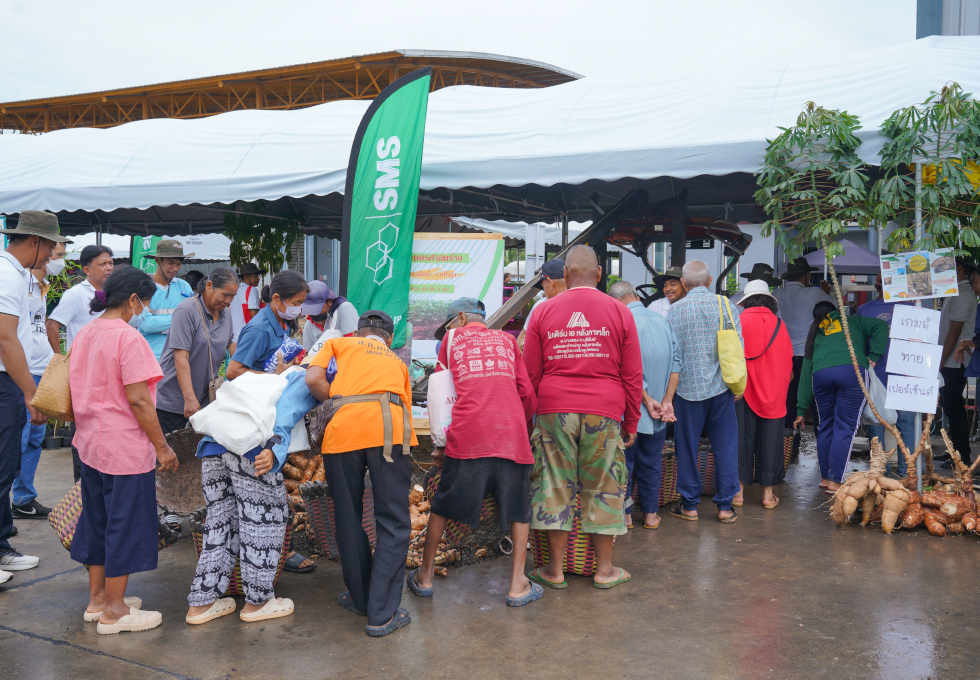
(668, 478)
(63, 518)
(198, 518)
(53, 395)
(181, 491)
(579, 552)
(320, 522)
(458, 535)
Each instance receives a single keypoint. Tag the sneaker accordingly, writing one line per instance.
(32, 510)
(5, 576)
(11, 560)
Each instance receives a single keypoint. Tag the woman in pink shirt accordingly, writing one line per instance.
(113, 376)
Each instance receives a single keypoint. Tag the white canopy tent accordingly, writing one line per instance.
(205, 247)
(591, 130)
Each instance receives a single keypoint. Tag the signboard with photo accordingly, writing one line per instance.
(918, 275)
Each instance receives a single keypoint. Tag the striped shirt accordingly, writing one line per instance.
(695, 322)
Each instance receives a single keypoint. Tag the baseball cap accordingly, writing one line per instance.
(382, 321)
(552, 269)
(319, 293)
(466, 305)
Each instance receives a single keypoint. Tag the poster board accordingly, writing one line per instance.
(918, 275)
(446, 267)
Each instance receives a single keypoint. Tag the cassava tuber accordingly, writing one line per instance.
(911, 517)
(935, 526)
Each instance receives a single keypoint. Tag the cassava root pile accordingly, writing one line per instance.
(298, 470)
(419, 509)
(871, 490)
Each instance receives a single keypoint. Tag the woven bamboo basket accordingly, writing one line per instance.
(458, 535)
(579, 551)
(320, 522)
(198, 518)
(181, 491)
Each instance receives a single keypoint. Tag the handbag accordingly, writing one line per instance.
(731, 355)
(53, 395)
(215, 382)
(440, 398)
(779, 322)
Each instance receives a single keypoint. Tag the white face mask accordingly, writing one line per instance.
(136, 319)
(291, 312)
(55, 267)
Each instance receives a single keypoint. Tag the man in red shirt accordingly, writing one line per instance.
(487, 449)
(583, 357)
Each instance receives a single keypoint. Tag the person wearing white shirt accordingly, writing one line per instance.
(796, 300)
(670, 283)
(29, 245)
(73, 310)
(24, 502)
(246, 303)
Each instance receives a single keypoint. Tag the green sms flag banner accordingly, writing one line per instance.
(141, 246)
(381, 199)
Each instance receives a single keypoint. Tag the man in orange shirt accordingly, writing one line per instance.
(371, 431)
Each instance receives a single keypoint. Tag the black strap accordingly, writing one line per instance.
(779, 322)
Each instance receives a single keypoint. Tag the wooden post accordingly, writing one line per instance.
(146, 108)
(258, 95)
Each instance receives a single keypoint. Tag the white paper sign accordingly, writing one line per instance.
(914, 358)
(918, 395)
(915, 323)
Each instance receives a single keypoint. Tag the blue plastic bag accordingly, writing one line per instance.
(289, 349)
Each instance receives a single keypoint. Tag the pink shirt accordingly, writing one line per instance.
(107, 355)
(583, 356)
(494, 399)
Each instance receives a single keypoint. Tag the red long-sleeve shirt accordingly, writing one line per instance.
(583, 356)
(494, 398)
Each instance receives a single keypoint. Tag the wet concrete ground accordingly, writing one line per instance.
(779, 594)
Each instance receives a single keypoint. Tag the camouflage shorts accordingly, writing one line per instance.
(578, 454)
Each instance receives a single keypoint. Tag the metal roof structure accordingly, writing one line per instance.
(283, 88)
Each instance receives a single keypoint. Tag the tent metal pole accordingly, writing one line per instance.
(918, 303)
(564, 229)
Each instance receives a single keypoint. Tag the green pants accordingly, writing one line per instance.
(578, 454)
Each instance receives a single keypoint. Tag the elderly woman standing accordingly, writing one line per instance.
(769, 360)
(113, 378)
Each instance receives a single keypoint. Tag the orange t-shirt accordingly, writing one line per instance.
(364, 366)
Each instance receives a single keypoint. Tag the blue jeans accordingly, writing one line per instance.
(905, 425)
(645, 458)
(717, 415)
(30, 453)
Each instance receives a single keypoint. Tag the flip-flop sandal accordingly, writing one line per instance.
(401, 618)
(131, 602)
(729, 520)
(293, 564)
(738, 504)
(220, 607)
(535, 575)
(652, 526)
(771, 506)
(677, 510)
(536, 593)
(414, 586)
(623, 578)
(347, 602)
(822, 485)
(275, 608)
(830, 492)
(135, 621)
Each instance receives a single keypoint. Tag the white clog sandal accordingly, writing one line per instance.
(273, 609)
(135, 621)
(131, 602)
(220, 607)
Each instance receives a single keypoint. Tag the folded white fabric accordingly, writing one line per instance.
(243, 413)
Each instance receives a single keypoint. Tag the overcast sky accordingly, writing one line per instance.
(59, 47)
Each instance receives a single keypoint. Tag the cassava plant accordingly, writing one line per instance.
(813, 183)
(256, 237)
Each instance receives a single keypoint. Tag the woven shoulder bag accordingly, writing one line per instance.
(53, 395)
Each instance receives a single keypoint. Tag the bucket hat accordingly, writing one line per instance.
(38, 223)
(756, 287)
(671, 273)
(168, 247)
(250, 268)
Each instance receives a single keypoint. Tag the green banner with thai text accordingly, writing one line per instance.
(381, 199)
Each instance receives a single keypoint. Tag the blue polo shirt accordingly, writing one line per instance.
(259, 338)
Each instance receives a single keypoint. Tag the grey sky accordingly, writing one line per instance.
(60, 47)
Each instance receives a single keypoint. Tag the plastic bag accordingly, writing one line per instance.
(243, 413)
(878, 394)
(441, 398)
(289, 350)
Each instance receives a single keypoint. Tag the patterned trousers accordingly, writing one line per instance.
(247, 520)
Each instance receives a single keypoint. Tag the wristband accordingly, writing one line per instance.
(272, 441)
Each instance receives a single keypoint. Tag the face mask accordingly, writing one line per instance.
(290, 313)
(136, 319)
(55, 267)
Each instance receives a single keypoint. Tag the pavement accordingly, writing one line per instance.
(779, 594)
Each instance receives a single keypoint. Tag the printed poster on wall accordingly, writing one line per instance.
(446, 267)
(918, 275)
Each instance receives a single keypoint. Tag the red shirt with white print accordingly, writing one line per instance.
(494, 399)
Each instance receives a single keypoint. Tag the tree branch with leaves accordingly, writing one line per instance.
(265, 240)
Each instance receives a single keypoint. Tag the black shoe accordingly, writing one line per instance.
(947, 465)
(13, 530)
(32, 510)
(941, 457)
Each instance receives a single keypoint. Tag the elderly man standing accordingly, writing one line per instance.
(371, 430)
(155, 322)
(661, 371)
(670, 283)
(583, 357)
(703, 400)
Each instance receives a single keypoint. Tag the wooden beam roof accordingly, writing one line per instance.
(287, 87)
